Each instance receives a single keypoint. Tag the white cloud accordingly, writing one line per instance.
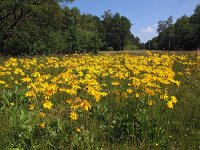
(148, 30)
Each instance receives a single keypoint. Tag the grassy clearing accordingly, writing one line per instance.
(120, 101)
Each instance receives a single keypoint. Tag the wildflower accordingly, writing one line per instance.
(73, 115)
(173, 99)
(115, 83)
(125, 95)
(137, 95)
(47, 104)
(180, 73)
(42, 125)
(31, 107)
(12, 104)
(36, 74)
(170, 105)
(78, 130)
(85, 105)
(2, 82)
(177, 83)
(26, 80)
(129, 91)
(80, 73)
(75, 106)
(30, 94)
(17, 71)
(104, 94)
(150, 102)
(42, 115)
(69, 101)
(165, 97)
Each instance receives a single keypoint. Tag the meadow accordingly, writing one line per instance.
(144, 101)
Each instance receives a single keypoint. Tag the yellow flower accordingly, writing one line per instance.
(73, 115)
(180, 73)
(17, 71)
(170, 105)
(69, 101)
(26, 80)
(16, 82)
(129, 91)
(12, 104)
(173, 99)
(2, 82)
(124, 94)
(42, 115)
(80, 73)
(137, 95)
(31, 107)
(75, 106)
(47, 104)
(165, 97)
(78, 130)
(85, 105)
(30, 94)
(36, 74)
(150, 102)
(42, 125)
(115, 83)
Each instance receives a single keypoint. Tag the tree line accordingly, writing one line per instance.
(45, 26)
(184, 34)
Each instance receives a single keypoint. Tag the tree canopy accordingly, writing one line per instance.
(184, 34)
(43, 26)
(46, 26)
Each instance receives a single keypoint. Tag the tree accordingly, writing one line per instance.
(116, 30)
(163, 25)
(15, 14)
(43, 26)
(184, 33)
(195, 21)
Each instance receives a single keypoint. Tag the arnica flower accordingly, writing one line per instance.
(69, 101)
(173, 99)
(85, 105)
(26, 80)
(2, 82)
(30, 94)
(165, 97)
(73, 115)
(150, 102)
(42, 115)
(12, 104)
(47, 104)
(137, 95)
(115, 83)
(42, 125)
(31, 107)
(129, 91)
(170, 105)
(78, 130)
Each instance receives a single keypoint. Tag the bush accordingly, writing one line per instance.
(110, 48)
(131, 47)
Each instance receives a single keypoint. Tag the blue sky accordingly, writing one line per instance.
(143, 14)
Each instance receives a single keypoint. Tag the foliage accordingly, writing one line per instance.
(115, 30)
(182, 35)
(43, 27)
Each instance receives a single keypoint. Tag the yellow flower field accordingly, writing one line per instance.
(80, 88)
